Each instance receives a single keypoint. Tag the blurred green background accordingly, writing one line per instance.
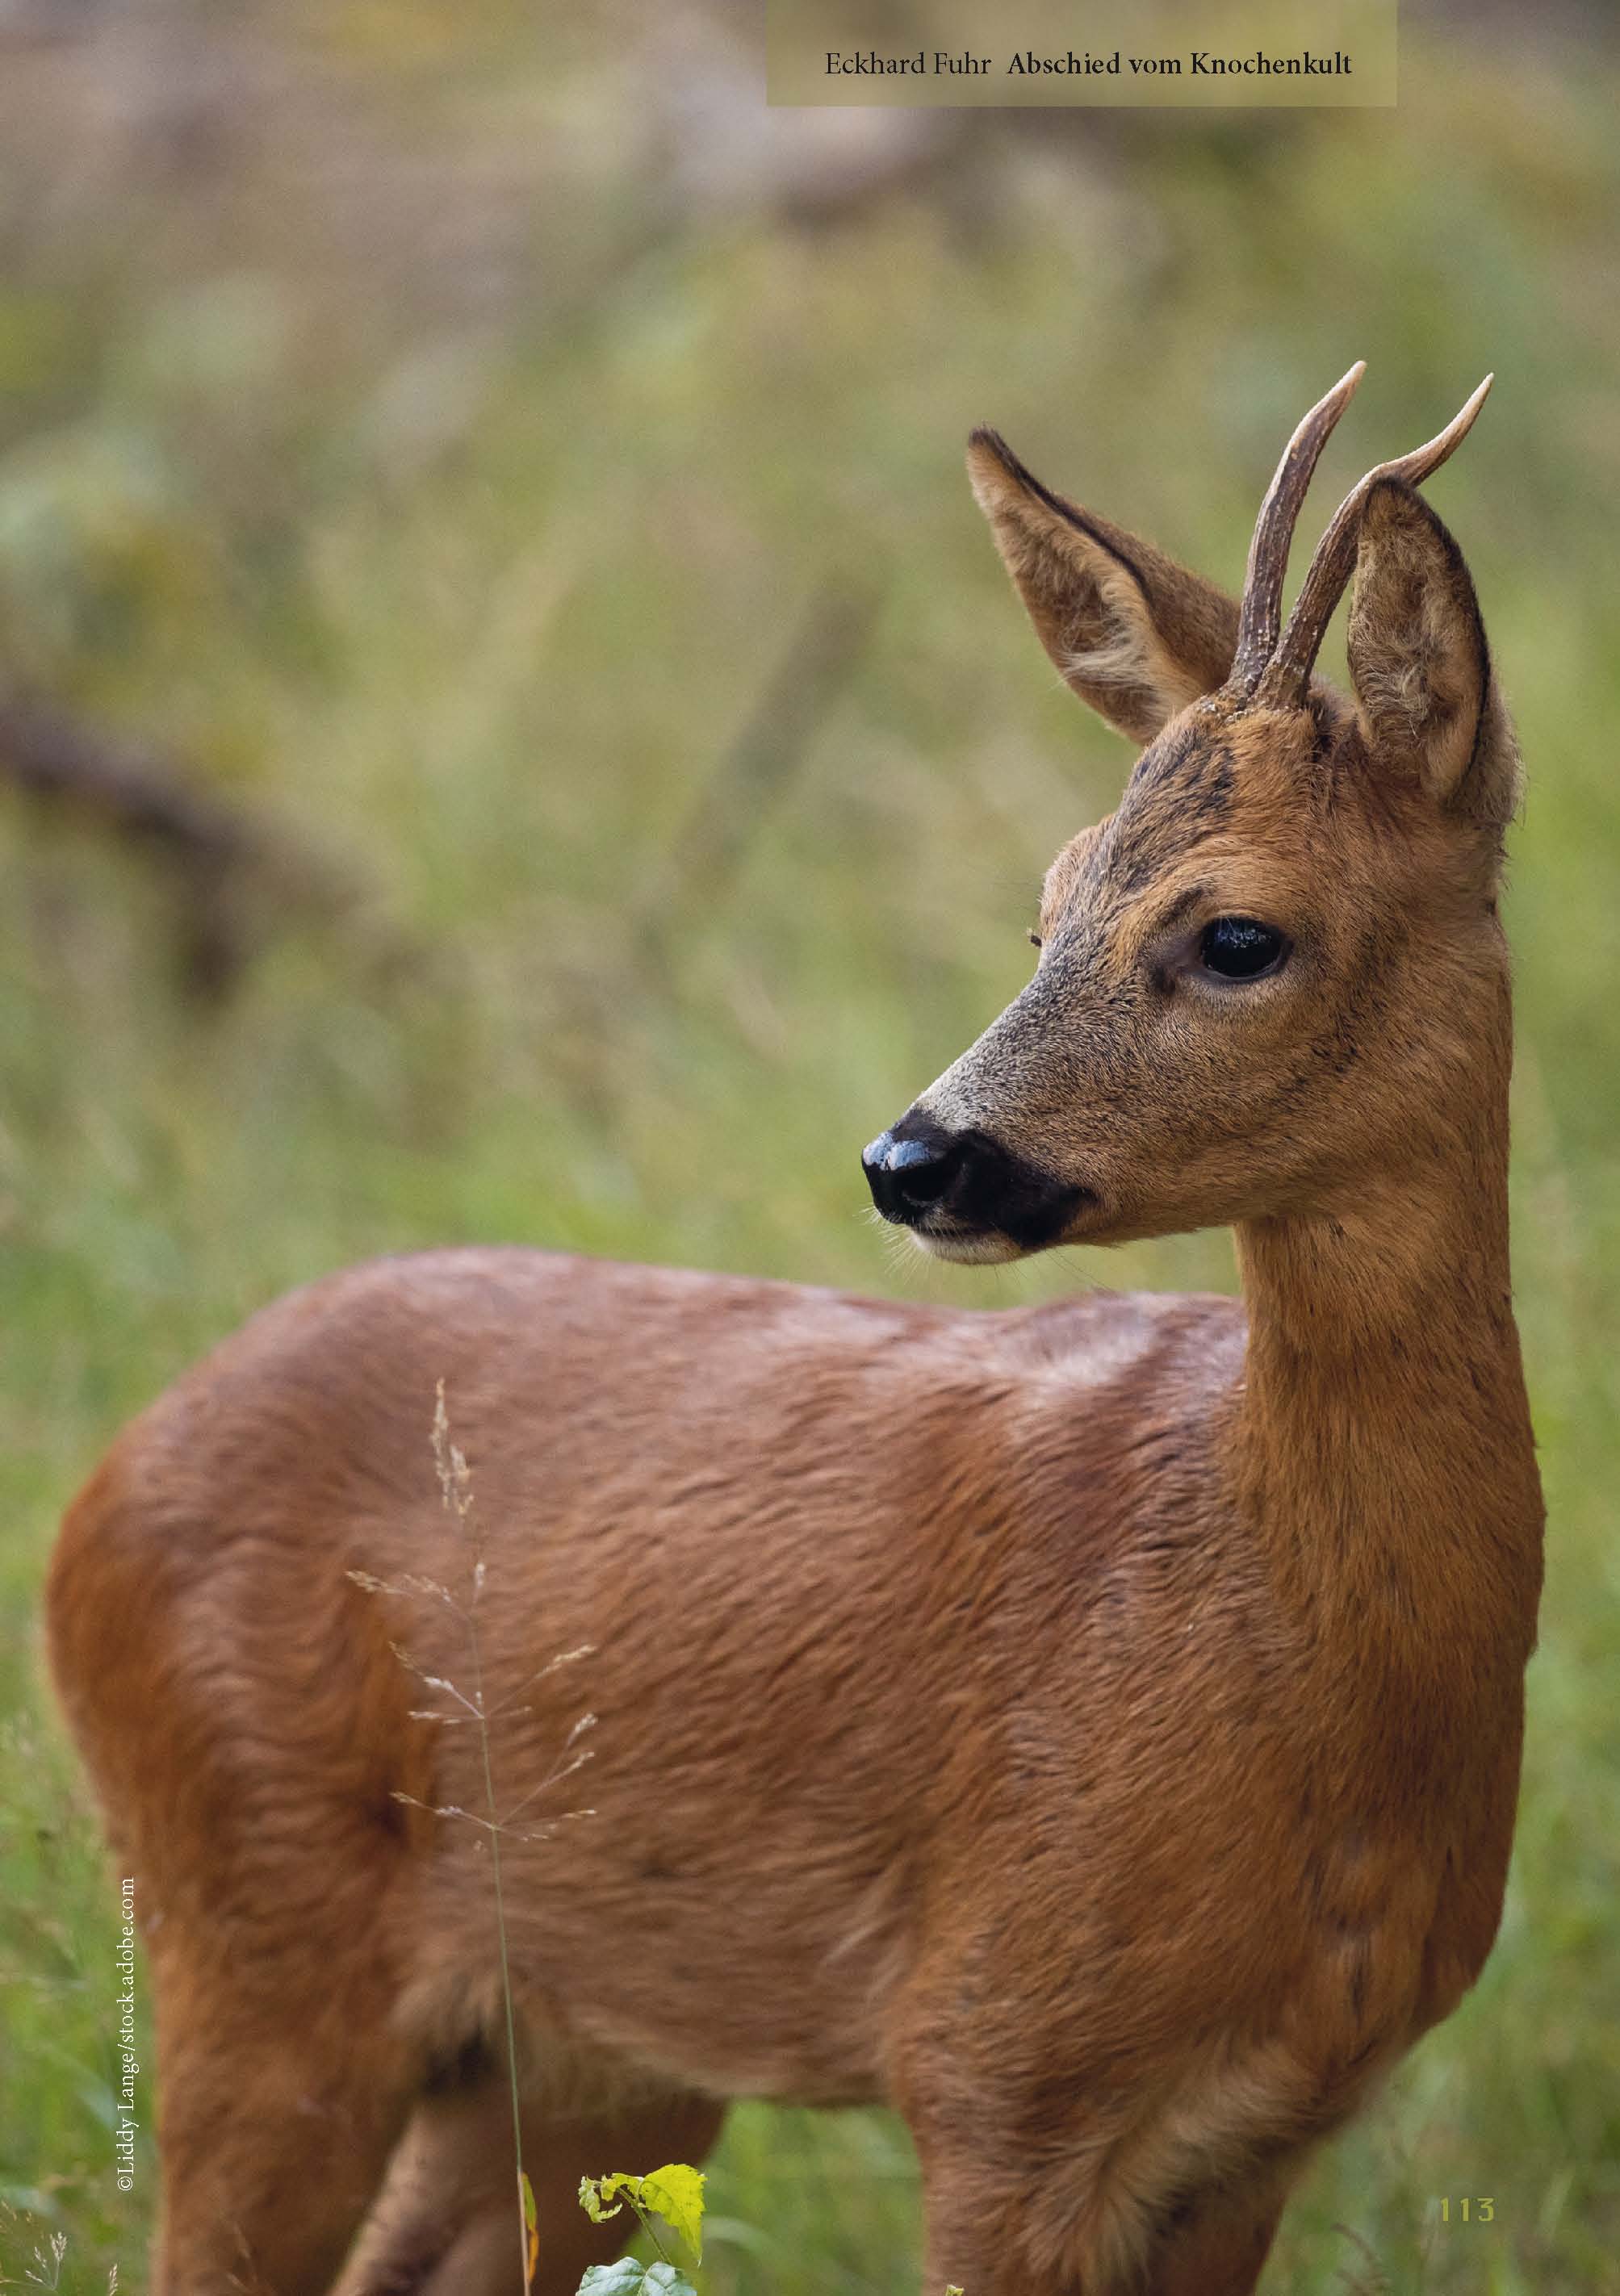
(519, 478)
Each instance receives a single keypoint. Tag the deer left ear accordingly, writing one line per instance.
(1419, 662)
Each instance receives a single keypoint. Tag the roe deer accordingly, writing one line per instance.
(1092, 1729)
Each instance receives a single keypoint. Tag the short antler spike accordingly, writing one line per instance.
(1260, 616)
(1287, 675)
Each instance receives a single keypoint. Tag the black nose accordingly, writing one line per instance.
(908, 1174)
(964, 1184)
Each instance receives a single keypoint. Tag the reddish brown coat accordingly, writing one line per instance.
(1093, 1729)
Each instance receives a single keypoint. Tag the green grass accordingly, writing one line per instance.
(494, 658)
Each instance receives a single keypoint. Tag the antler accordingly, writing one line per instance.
(1287, 675)
(1260, 616)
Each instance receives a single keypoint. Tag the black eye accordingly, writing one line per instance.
(1240, 948)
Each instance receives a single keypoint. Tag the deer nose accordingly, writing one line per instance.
(906, 1175)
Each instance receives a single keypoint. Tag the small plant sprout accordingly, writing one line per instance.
(676, 2195)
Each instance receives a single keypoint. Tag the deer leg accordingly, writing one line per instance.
(1218, 2246)
(449, 2223)
(974, 2244)
(993, 2232)
(279, 2107)
(979, 2203)
(1223, 2254)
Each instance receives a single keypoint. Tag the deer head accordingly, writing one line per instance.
(1271, 968)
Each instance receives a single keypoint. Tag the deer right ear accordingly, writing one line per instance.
(1136, 635)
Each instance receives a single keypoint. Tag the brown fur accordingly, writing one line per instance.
(1093, 1729)
(1098, 598)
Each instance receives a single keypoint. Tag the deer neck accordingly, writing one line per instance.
(1380, 1442)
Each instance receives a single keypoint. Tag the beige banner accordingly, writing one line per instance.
(1181, 53)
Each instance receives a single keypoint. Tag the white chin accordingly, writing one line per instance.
(967, 1251)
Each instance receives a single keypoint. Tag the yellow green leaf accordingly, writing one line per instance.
(595, 2192)
(676, 2192)
(531, 2226)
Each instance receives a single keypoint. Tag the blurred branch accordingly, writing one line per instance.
(710, 849)
(234, 875)
(598, 1036)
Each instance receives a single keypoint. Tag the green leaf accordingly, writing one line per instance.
(676, 2192)
(532, 2251)
(625, 2278)
(629, 2278)
(595, 2192)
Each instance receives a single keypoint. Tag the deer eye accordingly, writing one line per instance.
(1241, 948)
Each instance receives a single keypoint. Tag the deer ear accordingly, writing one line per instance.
(1419, 662)
(1135, 635)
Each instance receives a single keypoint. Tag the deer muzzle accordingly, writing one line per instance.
(962, 1194)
